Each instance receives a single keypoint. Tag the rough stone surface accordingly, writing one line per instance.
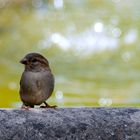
(70, 124)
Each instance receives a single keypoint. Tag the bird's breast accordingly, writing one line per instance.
(36, 87)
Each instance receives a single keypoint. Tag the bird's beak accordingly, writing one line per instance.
(23, 61)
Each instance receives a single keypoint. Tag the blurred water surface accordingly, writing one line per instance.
(92, 45)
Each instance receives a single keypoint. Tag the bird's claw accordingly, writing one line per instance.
(48, 106)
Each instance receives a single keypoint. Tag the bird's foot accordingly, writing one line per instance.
(48, 106)
(25, 107)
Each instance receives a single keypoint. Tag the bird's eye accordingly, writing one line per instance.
(34, 60)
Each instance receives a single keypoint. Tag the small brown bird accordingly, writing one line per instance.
(37, 81)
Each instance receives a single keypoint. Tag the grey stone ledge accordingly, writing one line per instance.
(70, 124)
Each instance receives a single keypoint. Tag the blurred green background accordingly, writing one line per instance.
(92, 45)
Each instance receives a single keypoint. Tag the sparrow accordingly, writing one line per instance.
(37, 81)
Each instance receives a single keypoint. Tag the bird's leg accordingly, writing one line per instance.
(48, 106)
(26, 107)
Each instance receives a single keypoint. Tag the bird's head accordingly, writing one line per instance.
(35, 62)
